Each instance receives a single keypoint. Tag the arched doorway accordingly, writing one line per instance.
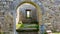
(29, 12)
(26, 13)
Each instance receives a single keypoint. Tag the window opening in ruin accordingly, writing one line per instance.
(28, 13)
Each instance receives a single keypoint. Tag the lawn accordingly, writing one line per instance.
(56, 33)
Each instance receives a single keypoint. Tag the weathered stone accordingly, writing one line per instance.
(6, 6)
(51, 8)
(9, 0)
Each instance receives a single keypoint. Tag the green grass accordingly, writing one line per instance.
(56, 33)
(18, 26)
(1, 32)
(27, 26)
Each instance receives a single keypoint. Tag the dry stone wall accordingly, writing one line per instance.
(6, 16)
(51, 14)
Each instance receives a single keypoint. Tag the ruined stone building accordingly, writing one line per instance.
(46, 12)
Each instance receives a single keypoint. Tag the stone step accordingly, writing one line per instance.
(28, 29)
(27, 32)
(6, 0)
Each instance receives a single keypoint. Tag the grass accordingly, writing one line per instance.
(56, 33)
(18, 26)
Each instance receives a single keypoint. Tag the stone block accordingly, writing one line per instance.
(0, 0)
(4, 2)
(9, 0)
(1, 7)
(6, 6)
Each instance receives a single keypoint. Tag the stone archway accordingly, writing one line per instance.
(22, 11)
(39, 11)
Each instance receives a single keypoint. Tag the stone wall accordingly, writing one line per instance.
(6, 16)
(52, 13)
